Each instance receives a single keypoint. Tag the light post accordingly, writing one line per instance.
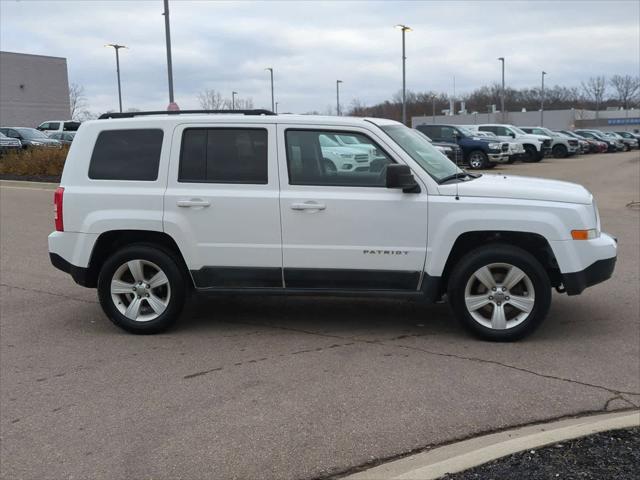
(433, 109)
(117, 47)
(404, 29)
(542, 100)
(338, 82)
(502, 91)
(233, 100)
(172, 104)
(273, 103)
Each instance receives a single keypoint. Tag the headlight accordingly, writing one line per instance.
(495, 146)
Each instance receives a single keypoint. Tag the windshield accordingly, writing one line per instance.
(517, 130)
(348, 140)
(30, 133)
(419, 149)
(465, 131)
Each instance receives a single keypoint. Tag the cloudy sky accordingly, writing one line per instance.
(226, 46)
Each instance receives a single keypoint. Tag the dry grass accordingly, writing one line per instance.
(34, 161)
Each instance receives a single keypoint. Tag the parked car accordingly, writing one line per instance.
(477, 152)
(595, 145)
(535, 146)
(66, 138)
(631, 136)
(583, 143)
(516, 148)
(153, 206)
(345, 158)
(629, 143)
(561, 145)
(59, 126)
(8, 144)
(451, 150)
(613, 145)
(30, 137)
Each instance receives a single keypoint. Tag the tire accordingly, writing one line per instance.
(512, 159)
(477, 160)
(510, 322)
(530, 154)
(158, 307)
(560, 151)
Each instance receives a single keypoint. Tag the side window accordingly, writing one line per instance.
(224, 155)
(315, 158)
(448, 134)
(52, 126)
(126, 155)
(429, 131)
(71, 126)
(502, 131)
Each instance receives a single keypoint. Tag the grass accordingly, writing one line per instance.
(34, 161)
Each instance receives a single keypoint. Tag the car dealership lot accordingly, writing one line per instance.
(301, 387)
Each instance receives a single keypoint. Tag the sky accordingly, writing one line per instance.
(226, 46)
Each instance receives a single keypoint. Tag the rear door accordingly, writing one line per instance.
(344, 230)
(222, 207)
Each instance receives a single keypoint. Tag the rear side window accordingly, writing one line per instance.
(224, 155)
(126, 155)
(70, 126)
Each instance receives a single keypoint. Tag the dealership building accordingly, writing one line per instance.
(33, 89)
(606, 120)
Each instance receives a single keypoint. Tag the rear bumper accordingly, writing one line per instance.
(80, 275)
(597, 272)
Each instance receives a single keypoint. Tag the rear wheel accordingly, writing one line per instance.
(499, 292)
(142, 289)
(478, 160)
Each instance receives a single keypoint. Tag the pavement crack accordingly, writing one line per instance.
(47, 293)
(521, 369)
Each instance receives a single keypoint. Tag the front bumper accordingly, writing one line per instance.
(599, 271)
(498, 157)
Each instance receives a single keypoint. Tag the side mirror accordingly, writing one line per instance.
(512, 135)
(400, 176)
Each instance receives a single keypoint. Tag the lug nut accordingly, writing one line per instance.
(490, 297)
(494, 289)
(147, 295)
(504, 289)
(499, 304)
(139, 297)
(506, 298)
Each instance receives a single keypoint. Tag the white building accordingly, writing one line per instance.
(33, 89)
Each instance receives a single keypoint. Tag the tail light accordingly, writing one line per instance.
(57, 202)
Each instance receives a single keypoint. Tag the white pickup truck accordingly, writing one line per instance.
(536, 147)
(153, 205)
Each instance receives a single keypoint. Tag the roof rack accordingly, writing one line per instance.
(180, 112)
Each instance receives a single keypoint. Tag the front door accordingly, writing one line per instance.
(221, 204)
(342, 228)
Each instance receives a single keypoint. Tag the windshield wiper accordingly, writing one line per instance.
(458, 175)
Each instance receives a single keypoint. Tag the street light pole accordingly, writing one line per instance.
(167, 30)
(233, 100)
(433, 109)
(502, 91)
(273, 103)
(404, 29)
(542, 101)
(338, 82)
(117, 47)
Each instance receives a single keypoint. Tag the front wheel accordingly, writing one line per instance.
(560, 151)
(530, 153)
(141, 288)
(499, 292)
(478, 160)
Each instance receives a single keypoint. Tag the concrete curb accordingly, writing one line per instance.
(28, 185)
(476, 451)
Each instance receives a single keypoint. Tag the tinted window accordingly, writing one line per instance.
(126, 155)
(52, 126)
(316, 158)
(70, 126)
(448, 133)
(224, 155)
(502, 131)
(429, 131)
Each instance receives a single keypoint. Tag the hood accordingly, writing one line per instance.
(445, 144)
(521, 188)
(534, 136)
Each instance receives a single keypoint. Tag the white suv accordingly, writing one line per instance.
(561, 145)
(154, 205)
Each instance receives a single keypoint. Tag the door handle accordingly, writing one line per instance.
(194, 202)
(308, 206)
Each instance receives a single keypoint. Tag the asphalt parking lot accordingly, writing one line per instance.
(280, 388)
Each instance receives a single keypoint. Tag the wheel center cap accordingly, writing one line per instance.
(499, 296)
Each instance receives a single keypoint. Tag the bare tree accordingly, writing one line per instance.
(627, 89)
(77, 101)
(211, 100)
(595, 89)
